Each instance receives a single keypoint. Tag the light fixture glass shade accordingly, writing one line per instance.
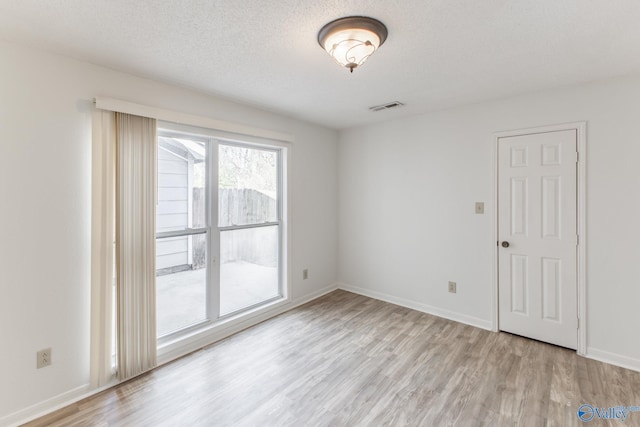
(350, 41)
(351, 48)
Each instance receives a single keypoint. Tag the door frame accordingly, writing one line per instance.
(581, 212)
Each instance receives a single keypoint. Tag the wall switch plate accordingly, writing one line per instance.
(43, 358)
(305, 274)
(479, 207)
(452, 287)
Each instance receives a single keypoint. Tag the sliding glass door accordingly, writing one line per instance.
(249, 226)
(205, 272)
(182, 233)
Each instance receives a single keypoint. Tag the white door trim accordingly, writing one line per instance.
(581, 273)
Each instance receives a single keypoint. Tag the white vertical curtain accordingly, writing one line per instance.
(135, 247)
(103, 190)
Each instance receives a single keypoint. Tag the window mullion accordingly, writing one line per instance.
(279, 207)
(246, 226)
(213, 279)
(180, 233)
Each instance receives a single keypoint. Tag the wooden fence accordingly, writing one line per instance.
(239, 207)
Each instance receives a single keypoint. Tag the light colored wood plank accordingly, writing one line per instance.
(348, 360)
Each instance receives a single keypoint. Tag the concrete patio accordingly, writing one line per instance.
(180, 297)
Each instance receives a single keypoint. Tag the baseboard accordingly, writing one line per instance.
(47, 406)
(418, 306)
(314, 295)
(613, 359)
(72, 396)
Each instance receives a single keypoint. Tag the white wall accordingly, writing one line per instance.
(406, 207)
(45, 129)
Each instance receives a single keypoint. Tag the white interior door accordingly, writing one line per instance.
(537, 279)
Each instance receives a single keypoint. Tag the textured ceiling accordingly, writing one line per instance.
(439, 53)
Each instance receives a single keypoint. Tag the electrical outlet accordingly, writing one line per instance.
(305, 274)
(43, 358)
(452, 287)
(480, 207)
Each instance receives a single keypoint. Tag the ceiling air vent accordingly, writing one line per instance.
(394, 104)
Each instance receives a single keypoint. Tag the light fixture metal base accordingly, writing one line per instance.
(364, 22)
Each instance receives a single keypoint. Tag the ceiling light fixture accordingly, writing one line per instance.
(351, 40)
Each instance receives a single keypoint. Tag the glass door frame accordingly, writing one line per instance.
(278, 223)
(210, 306)
(213, 232)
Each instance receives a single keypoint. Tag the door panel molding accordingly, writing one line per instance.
(549, 156)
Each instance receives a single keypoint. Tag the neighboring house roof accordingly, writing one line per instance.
(183, 148)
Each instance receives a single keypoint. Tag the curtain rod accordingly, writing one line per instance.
(120, 106)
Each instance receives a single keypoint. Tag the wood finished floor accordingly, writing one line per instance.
(348, 360)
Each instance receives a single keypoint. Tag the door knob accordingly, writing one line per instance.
(505, 244)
